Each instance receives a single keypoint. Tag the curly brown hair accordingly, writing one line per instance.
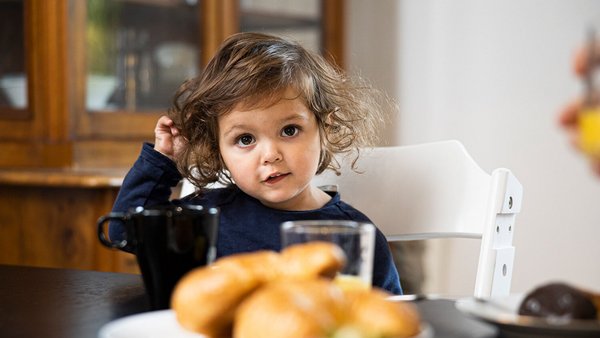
(255, 69)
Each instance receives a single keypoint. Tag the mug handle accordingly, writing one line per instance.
(102, 236)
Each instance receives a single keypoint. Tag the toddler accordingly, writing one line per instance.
(262, 119)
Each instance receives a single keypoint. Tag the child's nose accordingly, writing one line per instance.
(271, 153)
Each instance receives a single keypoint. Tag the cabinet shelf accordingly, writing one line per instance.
(80, 178)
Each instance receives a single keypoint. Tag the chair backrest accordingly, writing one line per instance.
(436, 190)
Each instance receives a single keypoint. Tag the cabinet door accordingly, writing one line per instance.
(129, 57)
(33, 103)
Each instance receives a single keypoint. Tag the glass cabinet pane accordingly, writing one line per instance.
(138, 52)
(297, 20)
(13, 76)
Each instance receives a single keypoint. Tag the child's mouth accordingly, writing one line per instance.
(275, 178)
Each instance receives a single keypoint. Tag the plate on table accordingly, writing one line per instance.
(503, 313)
(159, 324)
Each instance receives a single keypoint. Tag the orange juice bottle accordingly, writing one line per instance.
(589, 116)
(589, 131)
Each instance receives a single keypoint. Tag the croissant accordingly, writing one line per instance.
(319, 309)
(266, 294)
(290, 309)
(205, 299)
(375, 316)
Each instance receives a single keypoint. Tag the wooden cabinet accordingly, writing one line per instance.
(60, 128)
(48, 219)
(61, 52)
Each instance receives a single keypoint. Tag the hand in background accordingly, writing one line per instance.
(568, 117)
(168, 141)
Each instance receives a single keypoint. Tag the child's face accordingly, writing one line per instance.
(272, 153)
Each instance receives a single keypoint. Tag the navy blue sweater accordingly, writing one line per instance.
(245, 224)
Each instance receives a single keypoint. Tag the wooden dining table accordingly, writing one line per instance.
(64, 303)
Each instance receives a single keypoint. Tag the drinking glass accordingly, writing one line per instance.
(356, 239)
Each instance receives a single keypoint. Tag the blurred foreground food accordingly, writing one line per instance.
(561, 300)
(287, 295)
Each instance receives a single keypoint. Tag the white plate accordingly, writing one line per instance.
(162, 324)
(503, 312)
(159, 324)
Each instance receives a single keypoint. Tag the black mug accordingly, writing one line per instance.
(168, 241)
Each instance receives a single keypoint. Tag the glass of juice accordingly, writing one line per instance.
(356, 239)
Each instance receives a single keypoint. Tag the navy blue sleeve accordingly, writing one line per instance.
(147, 183)
(385, 274)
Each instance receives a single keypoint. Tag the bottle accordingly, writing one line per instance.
(589, 116)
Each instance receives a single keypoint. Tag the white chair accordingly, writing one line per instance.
(436, 190)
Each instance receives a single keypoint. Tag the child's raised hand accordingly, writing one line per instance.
(168, 141)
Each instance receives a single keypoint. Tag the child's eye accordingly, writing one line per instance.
(289, 131)
(245, 140)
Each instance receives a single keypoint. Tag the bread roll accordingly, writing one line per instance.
(312, 260)
(290, 309)
(205, 299)
(375, 316)
(287, 295)
(319, 309)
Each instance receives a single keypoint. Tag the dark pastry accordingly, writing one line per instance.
(558, 300)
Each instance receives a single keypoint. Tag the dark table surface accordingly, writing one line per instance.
(41, 302)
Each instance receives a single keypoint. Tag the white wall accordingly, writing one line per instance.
(494, 74)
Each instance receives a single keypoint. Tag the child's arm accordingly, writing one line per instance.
(149, 181)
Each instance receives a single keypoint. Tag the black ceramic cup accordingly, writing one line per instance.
(168, 241)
